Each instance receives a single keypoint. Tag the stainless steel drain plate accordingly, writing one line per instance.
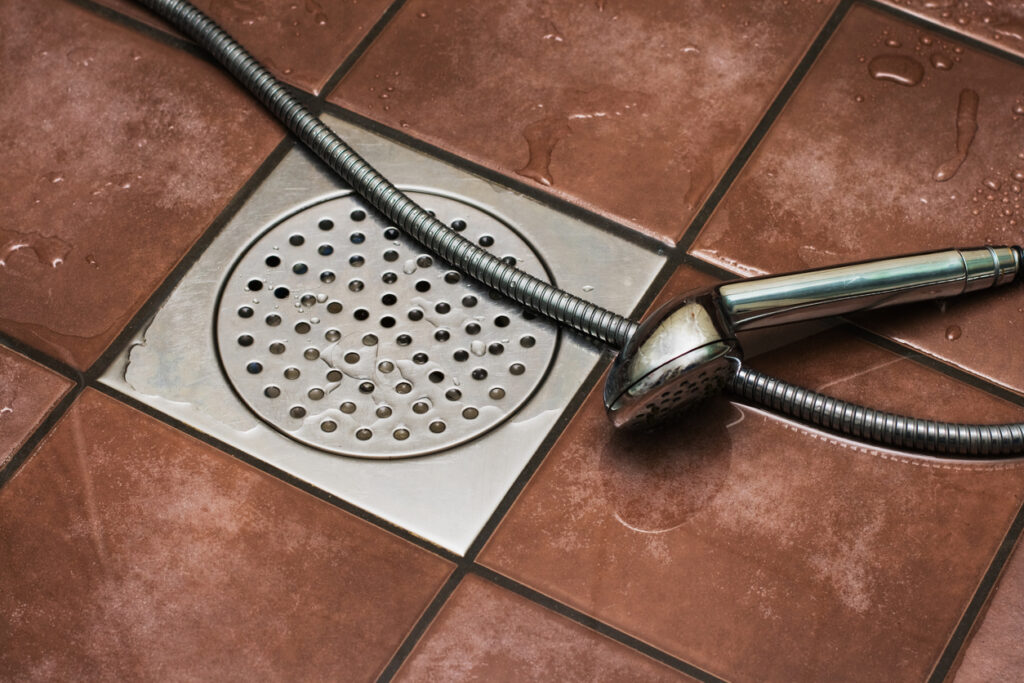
(341, 332)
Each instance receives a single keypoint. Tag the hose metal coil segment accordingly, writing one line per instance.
(958, 440)
(476, 262)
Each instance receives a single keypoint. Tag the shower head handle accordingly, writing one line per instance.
(687, 349)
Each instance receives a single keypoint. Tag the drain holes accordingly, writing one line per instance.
(415, 314)
(327, 277)
(355, 285)
(364, 434)
(517, 369)
(497, 393)
(370, 340)
(334, 307)
(385, 366)
(420, 407)
(452, 278)
(501, 321)
(436, 376)
(422, 286)
(254, 285)
(383, 412)
(254, 368)
(282, 292)
(302, 327)
(389, 277)
(479, 373)
(361, 314)
(325, 224)
(271, 391)
(245, 340)
(401, 434)
(348, 407)
(334, 376)
(357, 215)
(420, 358)
(443, 307)
(527, 341)
(390, 255)
(316, 393)
(458, 225)
(311, 353)
(424, 261)
(366, 387)
(291, 373)
(437, 426)
(325, 250)
(297, 412)
(387, 321)
(496, 349)
(273, 261)
(332, 335)
(328, 426)
(469, 301)
(351, 357)
(245, 312)
(470, 413)
(277, 348)
(308, 300)
(389, 299)
(441, 335)
(509, 260)
(453, 394)
(391, 234)
(403, 387)
(473, 328)
(486, 241)
(296, 240)
(461, 355)
(273, 320)
(403, 340)
(300, 268)
(356, 261)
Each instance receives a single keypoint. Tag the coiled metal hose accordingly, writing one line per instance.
(963, 440)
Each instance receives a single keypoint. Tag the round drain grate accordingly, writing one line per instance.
(339, 331)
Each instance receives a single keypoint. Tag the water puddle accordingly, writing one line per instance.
(966, 127)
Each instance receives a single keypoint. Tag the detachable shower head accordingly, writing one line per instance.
(687, 349)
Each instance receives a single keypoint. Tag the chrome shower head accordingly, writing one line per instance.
(687, 349)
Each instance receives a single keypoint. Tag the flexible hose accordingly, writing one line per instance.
(846, 418)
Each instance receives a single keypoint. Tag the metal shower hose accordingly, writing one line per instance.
(964, 440)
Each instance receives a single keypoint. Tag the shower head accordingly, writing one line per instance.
(687, 349)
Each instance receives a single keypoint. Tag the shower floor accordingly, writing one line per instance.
(154, 527)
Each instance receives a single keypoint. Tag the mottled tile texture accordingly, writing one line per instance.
(631, 109)
(117, 153)
(995, 652)
(997, 22)
(303, 42)
(485, 633)
(28, 392)
(762, 550)
(133, 552)
(860, 183)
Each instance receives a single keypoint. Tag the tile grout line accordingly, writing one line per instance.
(961, 634)
(24, 453)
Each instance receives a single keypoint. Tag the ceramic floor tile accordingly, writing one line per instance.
(485, 633)
(994, 653)
(997, 22)
(117, 153)
(862, 182)
(134, 552)
(28, 392)
(303, 43)
(629, 109)
(759, 549)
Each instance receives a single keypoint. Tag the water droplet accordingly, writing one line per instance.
(953, 332)
(992, 184)
(899, 69)
(477, 347)
(966, 127)
(48, 250)
(941, 61)
(892, 42)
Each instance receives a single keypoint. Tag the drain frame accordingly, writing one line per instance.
(170, 364)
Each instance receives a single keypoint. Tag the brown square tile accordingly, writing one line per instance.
(997, 22)
(134, 552)
(630, 109)
(28, 392)
(485, 633)
(759, 549)
(848, 172)
(303, 42)
(117, 152)
(994, 653)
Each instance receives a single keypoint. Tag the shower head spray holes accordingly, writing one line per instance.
(343, 334)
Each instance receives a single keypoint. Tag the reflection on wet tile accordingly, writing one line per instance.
(994, 653)
(303, 43)
(917, 153)
(631, 109)
(134, 552)
(758, 549)
(28, 391)
(485, 633)
(998, 22)
(117, 153)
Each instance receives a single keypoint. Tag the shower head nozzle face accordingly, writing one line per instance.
(343, 334)
(681, 354)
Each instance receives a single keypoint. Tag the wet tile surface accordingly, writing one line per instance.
(485, 633)
(177, 561)
(997, 22)
(117, 153)
(629, 109)
(761, 550)
(28, 392)
(995, 652)
(302, 42)
(861, 182)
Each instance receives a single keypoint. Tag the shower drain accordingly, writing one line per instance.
(342, 333)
